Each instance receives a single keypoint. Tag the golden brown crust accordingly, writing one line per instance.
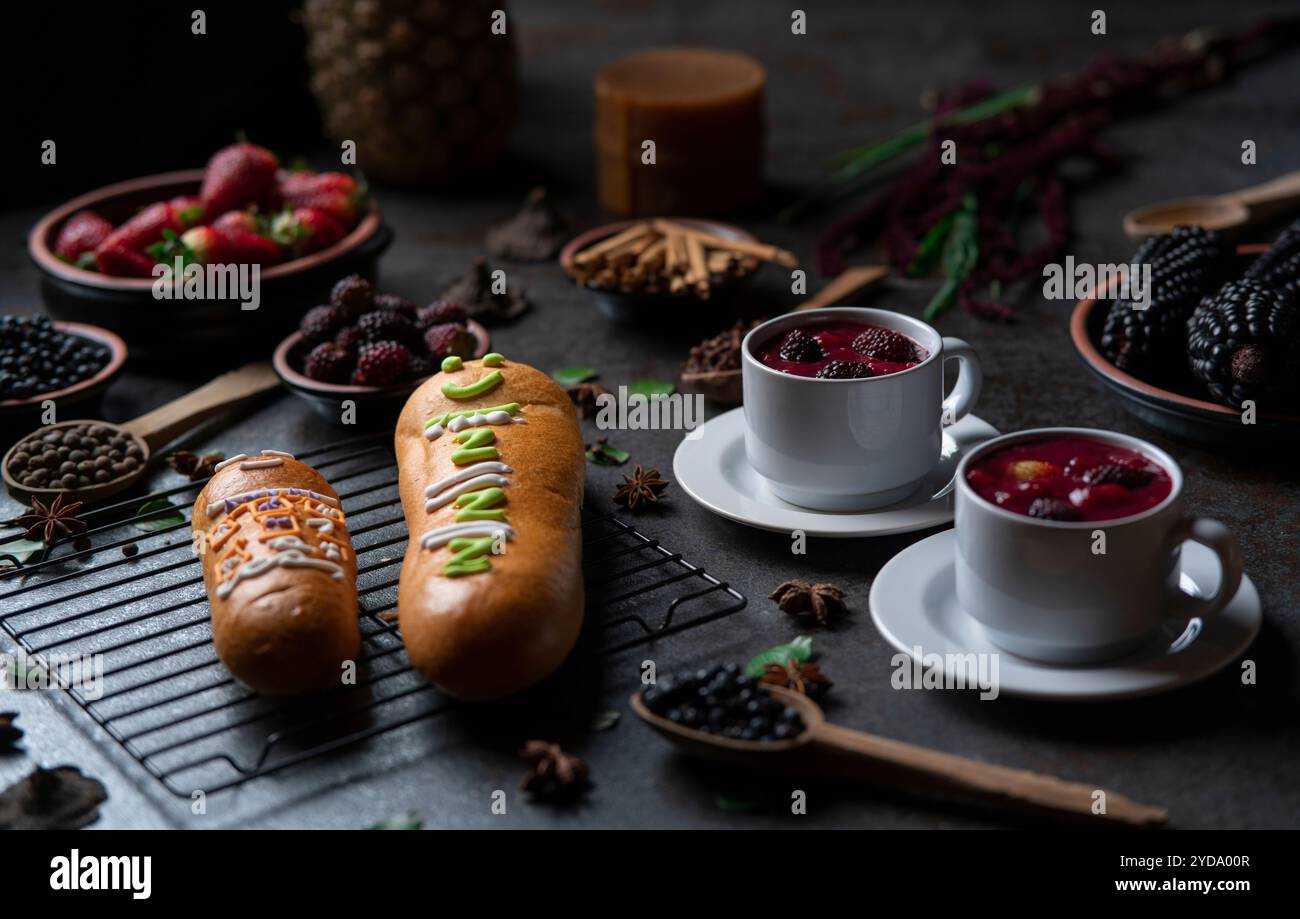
(288, 629)
(490, 634)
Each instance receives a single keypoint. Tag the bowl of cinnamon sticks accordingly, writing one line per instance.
(634, 264)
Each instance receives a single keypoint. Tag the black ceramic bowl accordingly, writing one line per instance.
(211, 333)
(19, 416)
(1188, 416)
(374, 405)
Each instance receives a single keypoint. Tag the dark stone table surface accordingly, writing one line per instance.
(1219, 754)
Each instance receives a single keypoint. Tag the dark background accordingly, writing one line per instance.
(134, 99)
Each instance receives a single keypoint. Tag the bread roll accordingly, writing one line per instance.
(280, 573)
(491, 467)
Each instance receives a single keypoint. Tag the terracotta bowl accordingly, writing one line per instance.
(17, 416)
(192, 332)
(1191, 417)
(628, 307)
(375, 405)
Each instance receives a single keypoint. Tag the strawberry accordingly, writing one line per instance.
(187, 211)
(213, 246)
(237, 175)
(335, 193)
(306, 230)
(119, 261)
(246, 221)
(83, 233)
(144, 228)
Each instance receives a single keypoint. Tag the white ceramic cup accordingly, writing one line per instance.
(846, 445)
(1042, 590)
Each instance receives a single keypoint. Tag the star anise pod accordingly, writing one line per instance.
(640, 488)
(10, 733)
(49, 522)
(800, 598)
(805, 679)
(555, 775)
(192, 466)
(584, 397)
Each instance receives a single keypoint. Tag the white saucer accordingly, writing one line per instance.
(711, 467)
(914, 604)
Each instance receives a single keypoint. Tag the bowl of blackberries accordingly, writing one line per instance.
(1212, 353)
(358, 357)
(66, 363)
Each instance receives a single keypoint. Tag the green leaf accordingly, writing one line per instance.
(401, 822)
(22, 549)
(87, 261)
(605, 720)
(930, 246)
(650, 389)
(800, 649)
(160, 522)
(961, 253)
(572, 376)
(609, 455)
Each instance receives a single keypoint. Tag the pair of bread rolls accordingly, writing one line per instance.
(491, 469)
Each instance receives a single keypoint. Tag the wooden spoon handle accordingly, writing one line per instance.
(1271, 197)
(164, 424)
(850, 281)
(908, 766)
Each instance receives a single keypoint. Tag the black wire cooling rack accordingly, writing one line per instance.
(170, 704)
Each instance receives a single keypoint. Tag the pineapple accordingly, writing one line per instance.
(425, 88)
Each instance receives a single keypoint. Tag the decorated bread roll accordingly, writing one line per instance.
(280, 573)
(490, 467)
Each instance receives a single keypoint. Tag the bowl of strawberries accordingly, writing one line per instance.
(201, 264)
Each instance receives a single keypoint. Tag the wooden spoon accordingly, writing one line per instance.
(827, 749)
(725, 386)
(154, 430)
(1232, 211)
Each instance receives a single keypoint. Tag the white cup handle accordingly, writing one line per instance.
(970, 380)
(1219, 539)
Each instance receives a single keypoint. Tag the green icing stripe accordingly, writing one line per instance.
(475, 449)
(476, 505)
(511, 407)
(483, 384)
(451, 363)
(471, 556)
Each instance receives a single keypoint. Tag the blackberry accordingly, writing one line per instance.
(885, 345)
(382, 364)
(844, 370)
(349, 339)
(328, 363)
(1244, 343)
(321, 323)
(447, 339)
(1052, 509)
(800, 346)
(1116, 474)
(1185, 265)
(440, 312)
(354, 294)
(394, 303)
(382, 325)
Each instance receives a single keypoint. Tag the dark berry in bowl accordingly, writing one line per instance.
(382, 363)
(448, 339)
(1117, 474)
(844, 370)
(800, 346)
(394, 303)
(321, 323)
(386, 325)
(354, 294)
(440, 312)
(329, 363)
(1052, 509)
